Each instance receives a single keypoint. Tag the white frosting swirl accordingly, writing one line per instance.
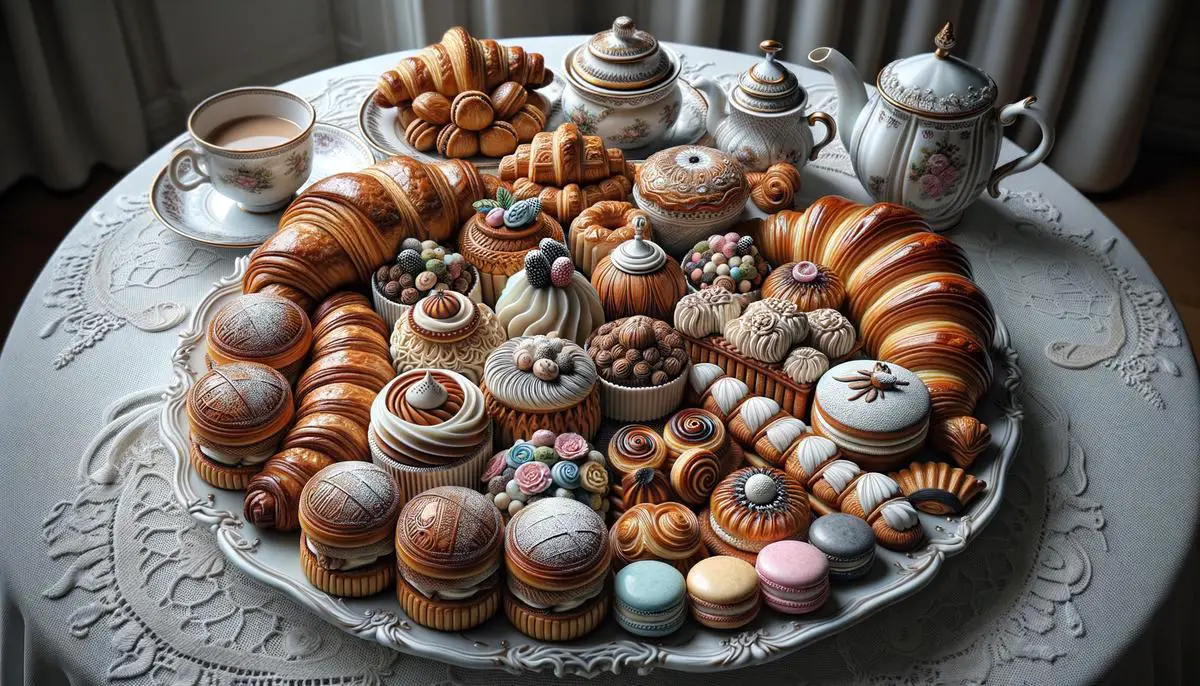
(874, 488)
(793, 319)
(756, 411)
(783, 433)
(638, 255)
(814, 451)
(899, 515)
(703, 375)
(706, 312)
(839, 474)
(574, 311)
(806, 365)
(524, 391)
(412, 351)
(761, 335)
(831, 332)
(728, 392)
(456, 437)
(235, 460)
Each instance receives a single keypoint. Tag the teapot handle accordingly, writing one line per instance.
(1008, 115)
(830, 131)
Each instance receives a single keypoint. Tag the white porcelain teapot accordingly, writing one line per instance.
(762, 121)
(930, 135)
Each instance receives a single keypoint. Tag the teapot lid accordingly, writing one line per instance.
(768, 86)
(624, 58)
(638, 255)
(938, 84)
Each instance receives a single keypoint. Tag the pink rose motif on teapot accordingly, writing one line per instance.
(936, 169)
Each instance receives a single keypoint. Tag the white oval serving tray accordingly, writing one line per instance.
(273, 558)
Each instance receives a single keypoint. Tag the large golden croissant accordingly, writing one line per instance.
(567, 171)
(460, 63)
(911, 294)
(336, 233)
(333, 398)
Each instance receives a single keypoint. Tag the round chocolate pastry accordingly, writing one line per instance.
(811, 286)
(730, 261)
(753, 507)
(668, 532)
(263, 328)
(421, 268)
(557, 555)
(877, 413)
(642, 364)
(238, 413)
(347, 514)
(448, 548)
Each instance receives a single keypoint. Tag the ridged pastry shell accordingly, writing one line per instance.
(961, 439)
(644, 486)
(877, 499)
(938, 488)
(724, 395)
(777, 437)
(750, 418)
(668, 532)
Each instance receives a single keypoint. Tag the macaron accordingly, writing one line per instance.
(723, 591)
(848, 543)
(794, 577)
(651, 598)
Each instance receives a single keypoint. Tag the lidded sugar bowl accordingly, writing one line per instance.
(930, 135)
(762, 120)
(622, 85)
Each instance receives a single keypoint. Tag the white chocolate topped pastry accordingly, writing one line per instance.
(539, 373)
(706, 312)
(429, 417)
(549, 295)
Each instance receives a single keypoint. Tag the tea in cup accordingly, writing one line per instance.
(254, 145)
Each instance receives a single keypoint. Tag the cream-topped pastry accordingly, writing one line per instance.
(333, 557)
(762, 335)
(831, 332)
(549, 295)
(792, 317)
(877, 413)
(429, 417)
(446, 330)
(705, 313)
(877, 498)
(539, 388)
(805, 365)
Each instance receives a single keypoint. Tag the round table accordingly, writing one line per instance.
(104, 578)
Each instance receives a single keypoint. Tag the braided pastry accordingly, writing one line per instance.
(343, 227)
(460, 63)
(774, 189)
(333, 398)
(910, 290)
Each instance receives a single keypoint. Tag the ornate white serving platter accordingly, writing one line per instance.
(380, 126)
(273, 558)
(202, 214)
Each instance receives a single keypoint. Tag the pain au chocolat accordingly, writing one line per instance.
(347, 516)
(238, 413)
(449, 544)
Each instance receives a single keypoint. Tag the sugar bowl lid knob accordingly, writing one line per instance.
(944, 40)
(638, 255)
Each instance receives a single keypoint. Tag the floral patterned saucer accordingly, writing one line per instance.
(204, 215)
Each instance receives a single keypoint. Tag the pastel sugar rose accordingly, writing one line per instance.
(519, 454)
(495, 466)
(533, 478)
(572, 446)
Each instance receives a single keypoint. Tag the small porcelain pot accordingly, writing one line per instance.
(690, 193)
(623, 86)
(261, 179)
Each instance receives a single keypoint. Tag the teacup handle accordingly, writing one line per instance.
(830, 131)
(1008, 115)
(180, 155)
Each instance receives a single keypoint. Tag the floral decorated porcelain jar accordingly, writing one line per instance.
(762, 120)
(622, 86)
(930, 136)
(690, 192)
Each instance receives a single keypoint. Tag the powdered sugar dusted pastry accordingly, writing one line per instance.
(761, 335)
(877, 498)
(263, 328)
(706, 312)
(446, 330)
(793, 318)
(831, 333)
(668, 532)
(429, 428)
(541, 382)
(811, 286)
(806, 365)
(878, 414)
(751, 508)
(548, 295)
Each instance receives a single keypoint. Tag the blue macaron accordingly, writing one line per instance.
(847, 541)
(651, 598)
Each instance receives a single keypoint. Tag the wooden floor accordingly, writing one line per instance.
(1158, 208)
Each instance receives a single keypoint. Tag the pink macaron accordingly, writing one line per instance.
(794, 576)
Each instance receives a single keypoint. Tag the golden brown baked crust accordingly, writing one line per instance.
(544, 625)
(262, 328)
(353, 583)
(449, 615)
(774, 189)
(636, 446)
(228, 477)
(240, 408)
(747, 523)
(668, 532)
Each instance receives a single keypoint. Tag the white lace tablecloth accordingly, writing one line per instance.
(105, 579)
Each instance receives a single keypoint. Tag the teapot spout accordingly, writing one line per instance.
(717, 102)
(852, 94)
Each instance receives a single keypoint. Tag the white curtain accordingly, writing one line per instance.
(104, 81)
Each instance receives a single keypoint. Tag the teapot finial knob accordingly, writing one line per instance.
(944, 40)
(639, 228)
(623, 28)
(770, 47)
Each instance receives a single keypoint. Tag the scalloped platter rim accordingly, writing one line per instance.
(271, 557)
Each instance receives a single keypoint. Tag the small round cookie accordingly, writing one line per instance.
(848, 543)
(723, 592)
(794, 577)
(651, 598)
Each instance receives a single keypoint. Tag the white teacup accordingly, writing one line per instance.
(254, 145)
